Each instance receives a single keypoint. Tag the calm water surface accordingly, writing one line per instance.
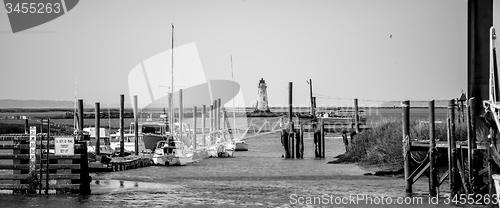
(256, 178)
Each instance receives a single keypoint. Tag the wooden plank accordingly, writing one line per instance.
(13, 186)
(19, 137)
(26, 156)
(444, 177)
(14, 177)
(51, 166)
(420, 173)
(38, 146)
(62, 186)
(483, 171)
(51, 176)
(420, 169)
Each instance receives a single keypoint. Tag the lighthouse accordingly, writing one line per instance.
(262, 101)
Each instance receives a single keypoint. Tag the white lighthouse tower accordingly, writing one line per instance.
(262, 101)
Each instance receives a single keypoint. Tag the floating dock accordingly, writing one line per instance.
(122, 163)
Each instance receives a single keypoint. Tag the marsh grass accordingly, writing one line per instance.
(383, 143)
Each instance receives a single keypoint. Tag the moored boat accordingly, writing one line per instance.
(172, 152)
(241, 145)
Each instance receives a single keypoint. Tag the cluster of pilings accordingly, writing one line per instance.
(465, 168)
(219, 124)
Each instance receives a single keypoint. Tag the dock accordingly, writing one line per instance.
(122, 163)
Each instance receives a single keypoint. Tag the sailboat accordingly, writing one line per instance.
(173, 151)
(240, 145)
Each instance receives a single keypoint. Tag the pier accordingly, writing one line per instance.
(466, 171)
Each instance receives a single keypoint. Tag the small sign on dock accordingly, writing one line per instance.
(65, 146)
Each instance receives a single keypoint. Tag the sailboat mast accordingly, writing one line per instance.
(172, 87)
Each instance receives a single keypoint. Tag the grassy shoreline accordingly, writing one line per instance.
(381, 148)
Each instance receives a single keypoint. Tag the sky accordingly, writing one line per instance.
(379, 50)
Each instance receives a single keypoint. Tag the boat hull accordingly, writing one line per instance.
(241, 146)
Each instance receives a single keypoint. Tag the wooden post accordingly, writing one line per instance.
(471, 141)
(452, 152)
(122, 126)
(84, 166)
(290, 117)
(48, 153)
(406, 144)
(479, 21)
(194, 128)
(223, 121)
(290, 101)
(181, 113)
(136, 126)
(311, 95)
(433, 181)
(80, 115)
(356, 115)
(322, 136)
(219, 113)
(215, 115)
(302, 141)
(314, 106)
(26, 126)
(211, 123)
(97, 129)
(291, 137)
(203, 117)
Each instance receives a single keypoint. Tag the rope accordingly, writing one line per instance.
(419, 162)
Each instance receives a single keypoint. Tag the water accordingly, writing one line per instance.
(259, 177)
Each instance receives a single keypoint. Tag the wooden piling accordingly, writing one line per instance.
(136, 126)
(223, 122)
(194, 127)
(84, 166)
(290, 117)
(433, 181)
(356, 115)
(311, 96)
(211, 123)
(290, 102)
(80, 115)
(452, 150)
(291, 137)
(97, 129)
(301, 141)
(48, 153)
(26, 126)
(406, 145)
(471, 141)
(322, 136)
(122, 126)
(203, 117)
(219, 113)
(215, 115)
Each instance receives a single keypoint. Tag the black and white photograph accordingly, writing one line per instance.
(249, 103)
